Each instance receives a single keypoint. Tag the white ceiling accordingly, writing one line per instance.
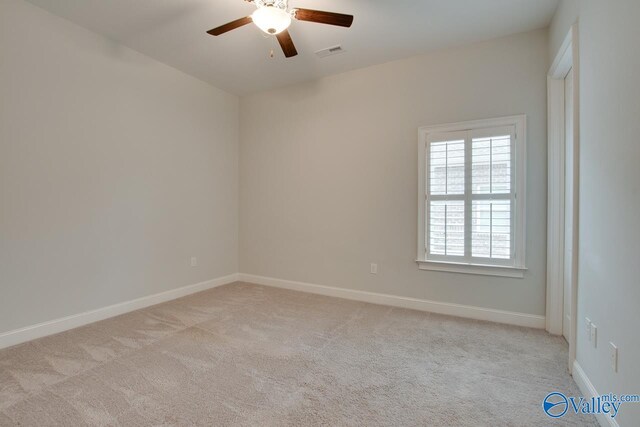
(174, 32)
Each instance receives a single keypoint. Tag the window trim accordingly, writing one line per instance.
(473, 265)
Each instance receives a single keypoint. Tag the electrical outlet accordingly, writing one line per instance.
(587, 327)
(374, 268)
(613, 355)
(194, 261)
(594, 335)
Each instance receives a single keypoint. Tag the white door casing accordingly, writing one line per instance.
(563, 177)
(568, 204)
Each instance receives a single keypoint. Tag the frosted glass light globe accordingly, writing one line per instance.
(271, 20)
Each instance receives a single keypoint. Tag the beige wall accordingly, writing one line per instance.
(329, 171)
(114, 171)
(609, 284)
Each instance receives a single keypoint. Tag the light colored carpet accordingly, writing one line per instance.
(244, 354)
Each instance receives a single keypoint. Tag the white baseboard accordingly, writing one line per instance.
(11, 338)
(471, 312)
(589, 391)
(8, 339)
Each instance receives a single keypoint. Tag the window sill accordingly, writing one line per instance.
(479, 269)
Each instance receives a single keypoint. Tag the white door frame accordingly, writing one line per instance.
(565, 60)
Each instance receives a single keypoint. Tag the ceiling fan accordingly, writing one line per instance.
(274, 17)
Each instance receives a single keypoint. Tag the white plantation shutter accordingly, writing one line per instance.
(491, 229)
(470, 202)
(447, 167)
(446, 206)
(491, 164)
(492, 157)
(446, 228)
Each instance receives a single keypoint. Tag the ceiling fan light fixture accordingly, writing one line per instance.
(272, 20)
(274, 17)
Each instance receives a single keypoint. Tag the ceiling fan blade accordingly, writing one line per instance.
(322, 17)
(289, 49)
(230, 26)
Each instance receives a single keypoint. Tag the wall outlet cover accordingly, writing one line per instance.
(374, 268)
(587, 327)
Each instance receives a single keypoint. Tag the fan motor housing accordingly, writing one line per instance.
(280, 4)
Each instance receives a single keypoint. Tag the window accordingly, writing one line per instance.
(471, 201)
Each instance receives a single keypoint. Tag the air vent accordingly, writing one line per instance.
(330, 51)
